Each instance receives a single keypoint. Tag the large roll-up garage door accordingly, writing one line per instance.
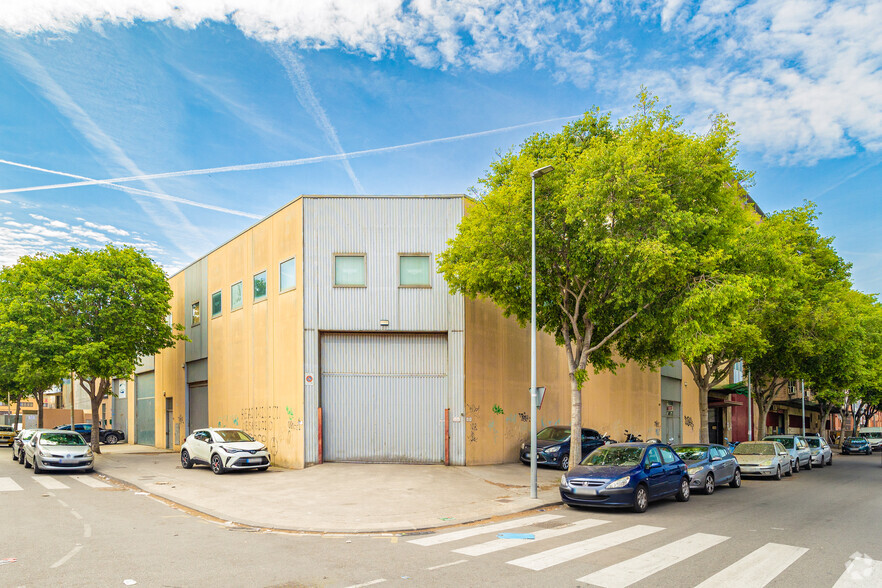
(383, 397)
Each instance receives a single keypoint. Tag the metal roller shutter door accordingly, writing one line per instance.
(383, 397)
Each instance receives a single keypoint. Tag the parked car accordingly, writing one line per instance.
(763, 458)
(856, 445)
(709, 465)
(223, 450)
(821, 453)
(553, 446)
(796, 446)
(7, 434)
(873, 435)
(18, 443)
(57, 451)
(626, 475)
(109, 436)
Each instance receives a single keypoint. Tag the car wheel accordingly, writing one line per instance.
(709, 484)
(217, 464)
(641, 499)
(830, 461)
(27, 464)
(262, 468)
(565, 462)
(821, 463)
(809, 465)
(186, 462)
(794, 467)
(736, 480)
(14, 457)
(683, 493)
(777, 475)
(37, 470)
(111, 439)
(21, 459)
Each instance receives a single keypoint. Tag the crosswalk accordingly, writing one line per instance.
(51, 483)
(758, 565)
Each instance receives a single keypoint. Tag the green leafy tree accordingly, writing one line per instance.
(622, 225)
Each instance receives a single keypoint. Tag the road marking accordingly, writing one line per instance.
(91, 482)
(758, 568)
(453, 563)
(457, 535)
(76, 515)
(559, 555)
(8, 485)
(50, 483)
(87, 530)
(62, 503)
(500, 544)
(862, 572)
(70, 554)
(371, 583)
(644, 565)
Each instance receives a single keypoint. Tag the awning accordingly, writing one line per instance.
(809, 405)
(738, 388)
(724, 403)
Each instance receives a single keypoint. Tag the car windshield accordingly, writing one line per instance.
(614, 456)
(785, 441)
(61, 439)
(553, 434)
(27, 434)
(754, 449)
(233, 435)
(690, 453)
(5, 428)
(813, 441)
(857, 440)
(872, 435)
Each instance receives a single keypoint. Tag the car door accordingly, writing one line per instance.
(655, 472)
(673, 469)
(201, 445)
(590, 441)
(724, 467)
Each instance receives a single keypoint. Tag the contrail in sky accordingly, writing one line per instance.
(138, 191)
(287, 162)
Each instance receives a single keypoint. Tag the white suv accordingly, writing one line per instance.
(224, 449)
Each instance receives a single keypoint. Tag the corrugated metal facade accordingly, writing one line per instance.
(383, 397)
(381, 228)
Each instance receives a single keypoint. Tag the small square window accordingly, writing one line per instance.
(194, 314)
(413, 271)
(260, 286)
(288, 275)
(236, 296)
(349, 270)
(216, 304)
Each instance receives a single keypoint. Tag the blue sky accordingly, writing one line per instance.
(391, 97)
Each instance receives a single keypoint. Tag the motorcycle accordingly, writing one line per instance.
(632, 438)
(606, 439)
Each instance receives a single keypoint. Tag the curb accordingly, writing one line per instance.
(222, 519)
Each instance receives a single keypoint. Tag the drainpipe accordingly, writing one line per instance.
(749, 407)
(186, 402)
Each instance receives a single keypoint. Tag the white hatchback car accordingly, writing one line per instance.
(223, 450)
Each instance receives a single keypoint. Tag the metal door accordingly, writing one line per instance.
(383, 397)
(145, 415)
(198, 413)
(169, 422)
(121, 407)
(671, 422)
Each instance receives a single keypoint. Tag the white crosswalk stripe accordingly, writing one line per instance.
(50, 483)
(862, 572)
(558, 555)
(757, 568)
(500, 544)
(637, 568)
(90, 481)
(473, 531)
(8, 485)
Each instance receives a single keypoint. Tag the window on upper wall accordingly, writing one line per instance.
(170, 320)
(194, 314)
(349, 270)
(260, 286)
(414, 270)
(236, 296)
(288, 275)
(216, 304)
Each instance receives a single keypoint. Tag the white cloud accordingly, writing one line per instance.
(107, 229)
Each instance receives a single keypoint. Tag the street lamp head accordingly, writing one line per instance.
(541, 171)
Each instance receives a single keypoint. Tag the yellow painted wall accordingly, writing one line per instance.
(169, 376)
(689, 409)
(497, 374)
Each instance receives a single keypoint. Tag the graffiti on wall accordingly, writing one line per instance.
(270, 425)
(688, 421)
(472, 411)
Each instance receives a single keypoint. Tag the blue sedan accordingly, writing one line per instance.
(626, 475)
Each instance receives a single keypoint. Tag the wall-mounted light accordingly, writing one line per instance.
(384, 323)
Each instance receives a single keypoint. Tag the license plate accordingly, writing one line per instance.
(586, 491)
(254, 460)
(68, 461)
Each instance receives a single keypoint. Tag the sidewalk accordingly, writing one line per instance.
(336, 497)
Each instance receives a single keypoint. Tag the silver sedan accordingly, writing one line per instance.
(57, 451)
(822, 455)
(763, 458)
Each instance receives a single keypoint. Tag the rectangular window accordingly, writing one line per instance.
(349, 270)
(260, 286)
(288, 275)
(216, 304)
(194, 314)
(236, 296)
(413, 270)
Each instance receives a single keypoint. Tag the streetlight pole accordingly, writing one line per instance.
(749, 409)
(536, 173)
(802, 385)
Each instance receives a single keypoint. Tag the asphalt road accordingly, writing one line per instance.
(66, 530)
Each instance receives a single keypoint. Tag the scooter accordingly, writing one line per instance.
(632, 438)
(606, 439)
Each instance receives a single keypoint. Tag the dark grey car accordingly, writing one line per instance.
(709, 465)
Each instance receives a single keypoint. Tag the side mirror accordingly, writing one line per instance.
(653, 464)
(715, 458)
(783, 454)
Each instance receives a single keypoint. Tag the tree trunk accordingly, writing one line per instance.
(575, 422)
(17, 414)
(825, 414)
(38, 396)
(95, 438)
(703, 433)
(761, 421)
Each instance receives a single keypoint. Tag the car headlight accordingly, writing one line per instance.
(44, 453)
(554, 449)
(88, 452)
(620, 483)
(695, 469)
(263, 448)
(233, 449)
(563, 480)
(768, 462)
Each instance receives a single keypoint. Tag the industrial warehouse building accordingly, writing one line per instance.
(325, 331)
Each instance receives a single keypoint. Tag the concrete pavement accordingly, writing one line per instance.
(335, 497)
